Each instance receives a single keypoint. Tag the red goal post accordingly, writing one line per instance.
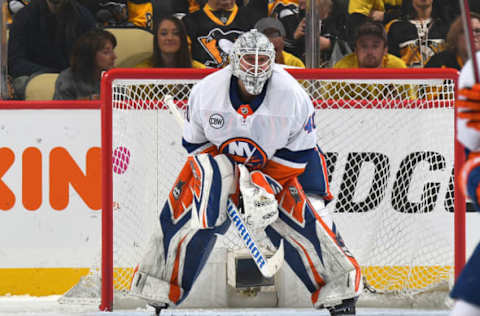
(351, 104)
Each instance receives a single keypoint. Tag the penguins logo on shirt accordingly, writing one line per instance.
(245, 151)
(218, 45)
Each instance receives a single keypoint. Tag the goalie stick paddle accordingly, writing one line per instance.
(268, 267)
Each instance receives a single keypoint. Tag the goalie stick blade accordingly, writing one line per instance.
(274, 263)
(268, 267)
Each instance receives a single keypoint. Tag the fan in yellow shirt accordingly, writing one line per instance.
(374, 9)
(370, 52)
(388, 61)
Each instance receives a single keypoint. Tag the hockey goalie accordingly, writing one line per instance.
(254, 164)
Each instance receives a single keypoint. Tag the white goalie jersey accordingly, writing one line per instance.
(275, 133)
(278, 122)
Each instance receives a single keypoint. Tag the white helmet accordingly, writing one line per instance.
(252, 56)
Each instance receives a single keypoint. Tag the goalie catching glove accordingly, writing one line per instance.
(469, 106)
(259, 202)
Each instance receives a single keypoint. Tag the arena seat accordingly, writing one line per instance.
(41, 87)
(133, 46)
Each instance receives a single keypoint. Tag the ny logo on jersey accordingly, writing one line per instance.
(245, 151)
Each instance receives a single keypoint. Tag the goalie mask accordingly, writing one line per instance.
(252, 57)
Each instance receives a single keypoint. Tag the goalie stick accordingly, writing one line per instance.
(268, 267)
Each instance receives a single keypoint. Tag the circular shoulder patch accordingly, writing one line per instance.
(216, 121)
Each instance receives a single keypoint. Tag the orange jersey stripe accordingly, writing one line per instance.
(281, 173)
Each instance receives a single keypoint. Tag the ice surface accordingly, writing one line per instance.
(48, 306)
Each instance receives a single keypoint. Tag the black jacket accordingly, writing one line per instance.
(39, 43)
(445, 59)
(415, 45)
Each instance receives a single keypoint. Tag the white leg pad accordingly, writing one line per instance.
(153, 261)
(149, 288)
(337, 263)
(339, 289)
(337, 269)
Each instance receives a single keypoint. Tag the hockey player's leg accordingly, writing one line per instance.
(462, 308)
(188, 224)
(315, 251)
(466, 290)
(347, 286)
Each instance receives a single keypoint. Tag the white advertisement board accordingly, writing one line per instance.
(44, 220)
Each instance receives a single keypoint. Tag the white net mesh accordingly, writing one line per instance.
(389, 145)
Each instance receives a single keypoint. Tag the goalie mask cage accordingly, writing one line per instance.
(389, 139)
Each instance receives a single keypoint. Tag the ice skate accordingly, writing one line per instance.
(158, 307)
(347, 307)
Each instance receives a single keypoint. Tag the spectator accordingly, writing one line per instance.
(41, 38)
(293, 20)
(456, 53)
(170, 46)
(370, 52)
(359, 11)
(275, 32)
(92, 54)
(370, 49)
(333, 31)
(419, 33)
(213, 30)
(108, 13)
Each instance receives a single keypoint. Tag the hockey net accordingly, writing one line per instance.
(388, 136)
